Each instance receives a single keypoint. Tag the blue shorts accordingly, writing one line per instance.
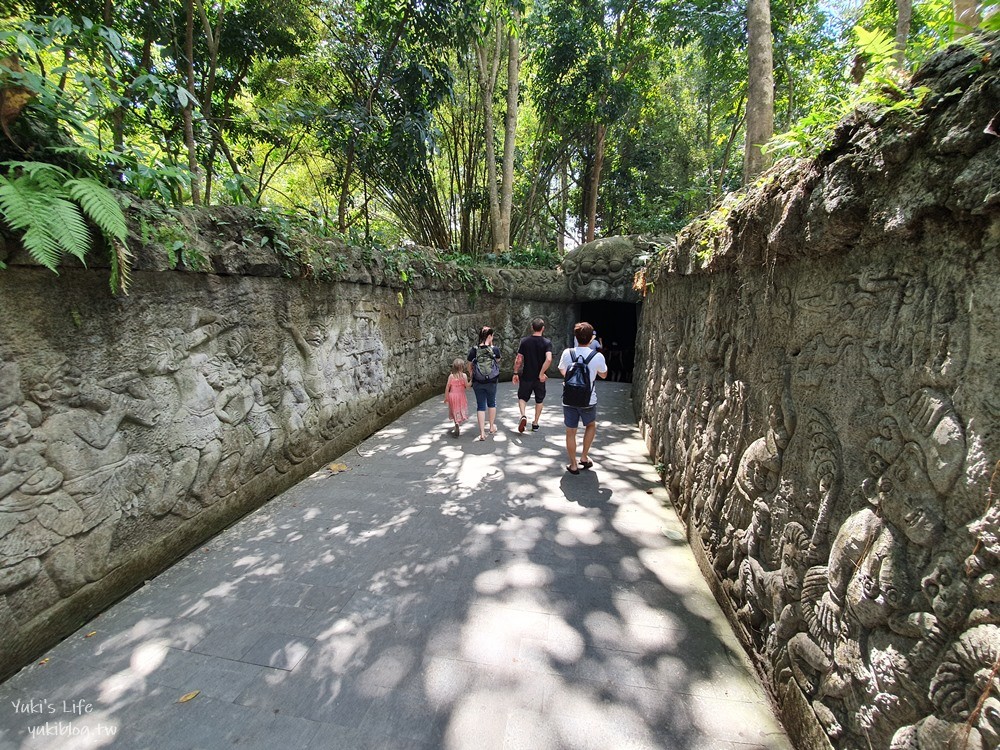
(573, 415)
(486, 395)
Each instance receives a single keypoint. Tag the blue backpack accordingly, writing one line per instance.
(577, 387)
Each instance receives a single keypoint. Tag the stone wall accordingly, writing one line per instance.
(134, 427)
(821, 390)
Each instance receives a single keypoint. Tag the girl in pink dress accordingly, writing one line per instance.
(454, 394)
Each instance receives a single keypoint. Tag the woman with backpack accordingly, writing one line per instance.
(484, 369)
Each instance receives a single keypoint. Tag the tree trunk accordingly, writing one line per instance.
(189, 104)
(563, 207)
(212, 40)
(118, 113)
(488, 71)
(904, 14)
(345, 188)
(595, 181)
(760, 92)
(510, 130)
(966, 17)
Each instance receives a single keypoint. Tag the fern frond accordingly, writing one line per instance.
(99, 205)
(19, 202)
(46, 175)
(121, 266)
(42, 246)
(65, 223)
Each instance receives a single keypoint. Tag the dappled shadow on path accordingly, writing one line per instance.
(443, 593)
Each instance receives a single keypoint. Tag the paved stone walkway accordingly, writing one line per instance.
(440, 593)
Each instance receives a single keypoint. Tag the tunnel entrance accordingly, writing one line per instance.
(616, 324)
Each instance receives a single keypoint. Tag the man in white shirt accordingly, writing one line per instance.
(573, 415)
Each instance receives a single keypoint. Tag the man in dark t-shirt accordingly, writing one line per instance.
(534, 356)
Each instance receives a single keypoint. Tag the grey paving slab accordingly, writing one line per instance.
(440, 593)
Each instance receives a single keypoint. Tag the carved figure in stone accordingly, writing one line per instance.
(194, 428)
(310, 399)
(947, 598)
(728, 422)
(983, 567)
(742, 543)
(369, 354)
(760, 465)
(84, 444)
(866, 582)
(265, 396)
(965, 695)
(908, 500)
(817, 358)
(601, 269)
(929, 420)
(232, 406)
(826, 467)
(772, 596)
(36, 515)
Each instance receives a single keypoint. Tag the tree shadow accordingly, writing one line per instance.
(435, 597)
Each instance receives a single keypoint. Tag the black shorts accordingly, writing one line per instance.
(526, 388)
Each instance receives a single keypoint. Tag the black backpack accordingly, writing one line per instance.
(485, 368)
(577, 386)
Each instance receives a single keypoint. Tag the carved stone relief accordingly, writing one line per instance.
(837, 454)
(112, 438)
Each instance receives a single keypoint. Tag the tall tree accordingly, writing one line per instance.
(500, 44)
(967, 17)
(190, 101)
(904, 14)
(510, 126)
(592, 61)
(488, 53)
(760, 89)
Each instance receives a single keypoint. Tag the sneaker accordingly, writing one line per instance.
(534, 427)
(522, 424)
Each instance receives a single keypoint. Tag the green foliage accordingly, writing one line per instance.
(883, 88)
(990, 11)
(162, 228)
(48, 207)
(532, 257)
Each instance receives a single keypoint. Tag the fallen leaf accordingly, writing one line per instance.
(91, 634)
(44, 661)
(190, 696)
(336, 468)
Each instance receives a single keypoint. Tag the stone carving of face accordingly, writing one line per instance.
(14, 429)
(794, 544)
(315, 335)
(60, 387)
(600, 267)
(947, 591)
(908, 500)
(165, 353)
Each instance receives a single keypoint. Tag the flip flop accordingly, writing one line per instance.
(586, 464)
(571, 470)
